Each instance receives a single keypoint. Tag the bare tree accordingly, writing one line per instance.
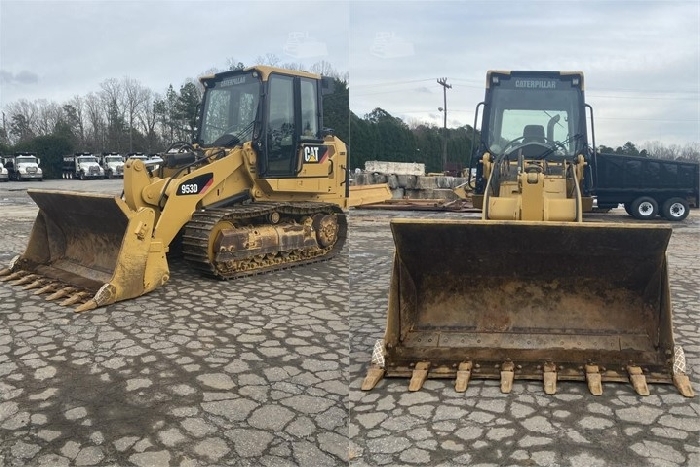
(326, 69)
(233, 64)
(22, 116)
(690, 151)
(135, 96)
(148, 118)
(96, 121)
(75, 113)
(49, 114)
(112, 96)
(674, 151)
(269, 59)
(655, 149)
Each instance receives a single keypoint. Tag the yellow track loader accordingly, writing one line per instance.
(530, 291)
(263, 187)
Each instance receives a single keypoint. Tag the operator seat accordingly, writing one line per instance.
(533, 134)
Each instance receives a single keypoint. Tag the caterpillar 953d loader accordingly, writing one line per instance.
(263, 187)
(530, 291)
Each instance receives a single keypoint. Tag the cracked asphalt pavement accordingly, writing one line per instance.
(267, 371)
(198, 372)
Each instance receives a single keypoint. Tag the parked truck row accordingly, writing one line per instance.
(21, 166)
(80, 165)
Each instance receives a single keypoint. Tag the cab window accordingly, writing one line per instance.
(280, 141)
(309, 110)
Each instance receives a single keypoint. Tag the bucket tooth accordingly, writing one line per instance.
(682, 383)
(14, 276)
(374, 374)
(62, 292)
(75, 298)
(638, 380)
(507, 376)
(420, 374)
(5, 272)
(593, 378)
(28, 279)
(87, 306)
(41, 282)
(464, 372)
(550, 378)
(48, 288)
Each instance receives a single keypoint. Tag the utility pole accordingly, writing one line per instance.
(443, 82)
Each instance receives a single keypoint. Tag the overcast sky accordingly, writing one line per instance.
(56, 49)
(641, 59)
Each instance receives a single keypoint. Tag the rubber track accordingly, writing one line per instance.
(198, 230)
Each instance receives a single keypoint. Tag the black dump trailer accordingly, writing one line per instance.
(646, 187)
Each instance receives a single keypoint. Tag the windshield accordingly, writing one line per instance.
(113, 159)
(26, 160)
(523, 115)
(87, 159)
(230, 107)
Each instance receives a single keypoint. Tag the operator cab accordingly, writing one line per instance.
(539, 115)
(279, 113)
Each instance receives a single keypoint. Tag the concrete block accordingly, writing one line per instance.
(397, 193)
(393, 181)
(407, 181)
(427, 183)
(398, 168)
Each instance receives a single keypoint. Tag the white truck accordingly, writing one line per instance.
(82, 165)
(152, 161)
(4, 176)
(113, 164)
(23, 166)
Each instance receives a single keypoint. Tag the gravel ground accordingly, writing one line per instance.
(259, 371)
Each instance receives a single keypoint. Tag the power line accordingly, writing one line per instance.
(389, 83)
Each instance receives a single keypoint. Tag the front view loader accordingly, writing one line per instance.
(263, 187)
(530, 291)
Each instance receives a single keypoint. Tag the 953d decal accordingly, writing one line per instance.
(196, 186)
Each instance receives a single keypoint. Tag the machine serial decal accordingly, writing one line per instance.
(197, 185)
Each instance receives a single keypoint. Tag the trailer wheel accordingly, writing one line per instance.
(645, 208)
(675, 209)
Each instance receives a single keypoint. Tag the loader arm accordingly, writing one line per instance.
(175, 199)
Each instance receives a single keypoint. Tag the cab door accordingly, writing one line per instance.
(292, 145)
(281, 137)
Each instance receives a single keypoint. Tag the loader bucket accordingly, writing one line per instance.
(542, 301)
(89, 249)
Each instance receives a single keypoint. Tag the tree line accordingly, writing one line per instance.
(380, 136)
(125, 116)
